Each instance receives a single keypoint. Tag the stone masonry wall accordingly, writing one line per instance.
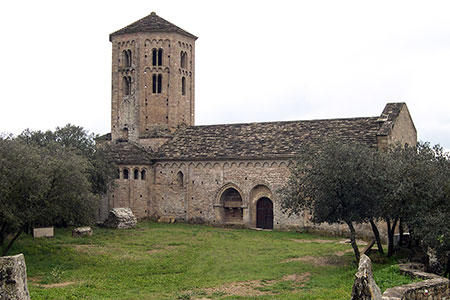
(143, 112)
(198, 195)
(132, 193)
(403, 131)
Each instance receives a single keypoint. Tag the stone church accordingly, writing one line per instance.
(217, 174)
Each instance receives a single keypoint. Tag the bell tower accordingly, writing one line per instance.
(153, 91)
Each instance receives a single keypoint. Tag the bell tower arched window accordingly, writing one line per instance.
(126, 58)
(127, 85)
(183, 59)
(157, 57)
(157, 83)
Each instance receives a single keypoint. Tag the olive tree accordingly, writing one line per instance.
(337, 182)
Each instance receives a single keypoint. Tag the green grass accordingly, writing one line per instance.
(179, 261)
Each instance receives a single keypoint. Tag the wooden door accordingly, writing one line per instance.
(264, 213)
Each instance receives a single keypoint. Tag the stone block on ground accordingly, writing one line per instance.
(121, 218)
(43, 232)
(82, 231)
(13, 278)
(364, 286)
(167, 219)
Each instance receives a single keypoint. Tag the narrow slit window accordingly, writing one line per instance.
(159, 83)
(183, 85)
(180, 179)
(183, 59)
(160, 56)
(126, 85)
(129, 61)
(154, 57)
(154, 84)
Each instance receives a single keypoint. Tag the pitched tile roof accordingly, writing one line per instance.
(151, 23)
(127, 154)
(268, 139)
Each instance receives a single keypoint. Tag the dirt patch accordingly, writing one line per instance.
(341, 253)
(358, 242)
(313, 241)
(250, 288)
(297, 277)
(319, 260)
(53, 285)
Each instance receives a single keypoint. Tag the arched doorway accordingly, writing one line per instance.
(232, 204)
(264, 213)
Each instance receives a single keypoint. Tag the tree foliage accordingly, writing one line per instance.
(349, 183)
(336, 182)
(51, 178)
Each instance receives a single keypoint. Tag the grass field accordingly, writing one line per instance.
(179, 261)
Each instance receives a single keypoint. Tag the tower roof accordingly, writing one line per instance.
(151, 23)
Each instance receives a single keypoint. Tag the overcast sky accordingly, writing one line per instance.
(255, 60)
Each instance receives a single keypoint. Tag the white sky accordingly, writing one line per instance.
(255, 60)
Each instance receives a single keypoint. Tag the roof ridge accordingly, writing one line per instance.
(284, 122)
(151, 23)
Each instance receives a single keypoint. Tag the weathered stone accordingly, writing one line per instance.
(121, 218)
(43, 232)
(82, 231)
(433, 287)
(166, 219)
(13, 278)
(364, 287)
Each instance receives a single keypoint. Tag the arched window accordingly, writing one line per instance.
(157, 83)
(129, 58)
(126, 85)
(126, 58)
(183, 85)
(180, 179)
(136, 174)
(160, 56)
(154, 57)
(183, 59)
(143, 174)
(125, 173)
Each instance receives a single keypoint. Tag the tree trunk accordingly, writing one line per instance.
(353, 240)
(447, 269)
(2, 234)
(391, 231)
(11, 242)
(401, 239)
(376, 233)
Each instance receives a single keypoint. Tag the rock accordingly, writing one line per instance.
(167, 219)
(120, 218)
(82, 231)
(43, 232)
(13, 278)
(364, 286)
